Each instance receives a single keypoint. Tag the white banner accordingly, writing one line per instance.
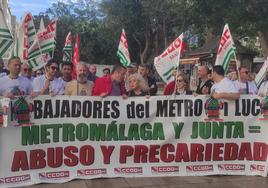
(169, 59)
(63, 138)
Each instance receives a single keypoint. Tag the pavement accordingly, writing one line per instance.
(166, 182)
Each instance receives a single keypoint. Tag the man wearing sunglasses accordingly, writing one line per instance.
(244, 85)
(48, 83)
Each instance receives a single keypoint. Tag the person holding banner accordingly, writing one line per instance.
(243, 85)
(263, 91)
(137, 86)
(111, 85)
(205, 83)
(48, 83)
(82, 86)
(223, 88)
(182, 86)
(13, 85)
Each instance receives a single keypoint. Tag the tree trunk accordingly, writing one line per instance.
(264, 42)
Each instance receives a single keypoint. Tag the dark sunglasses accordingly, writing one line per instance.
(246, 72)
(54, 68)
(27, 70)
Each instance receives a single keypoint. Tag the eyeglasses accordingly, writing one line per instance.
(25, 70)
(180, 80)
(246, 72)
(54, 68)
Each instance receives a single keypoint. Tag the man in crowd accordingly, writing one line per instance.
(48, 83)
(223, 88)
(92, 73)
(111, 85)
(144, 70)
(3, 71)
(81, 86)
(244, 85)
(66, 72)
(205, 83)
(14, 85)
(26, 72)
(106, 71)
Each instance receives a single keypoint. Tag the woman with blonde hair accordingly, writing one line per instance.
(182, 86)
(137, 86)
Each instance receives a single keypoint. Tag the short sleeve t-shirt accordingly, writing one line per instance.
(116, 89)
(244, 89)
(224, 86)
(56, 85)
(18, 86)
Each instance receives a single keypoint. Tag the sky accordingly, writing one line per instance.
(18, 7)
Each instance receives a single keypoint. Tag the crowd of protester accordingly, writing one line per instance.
(56, 79)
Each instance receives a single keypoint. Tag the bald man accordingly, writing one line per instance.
(205, 83)
(82, 86)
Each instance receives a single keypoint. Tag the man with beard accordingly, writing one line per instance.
(81, 86)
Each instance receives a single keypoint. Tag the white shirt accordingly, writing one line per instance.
(263, 88)
(224, 86)
(242, 87)
(18, 86)
(56, 85)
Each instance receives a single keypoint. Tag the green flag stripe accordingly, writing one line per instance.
(5, 36)
(67, 48)
(3, 51)
(122, 58)
(31, 34)
(168, 72)
(50, 44)
(227, 58)
(30, 28)
(39, 53)
(169, 77)
(4, 30)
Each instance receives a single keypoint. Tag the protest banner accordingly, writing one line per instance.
(63, 138)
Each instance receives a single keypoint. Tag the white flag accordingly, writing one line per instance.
(6, 38)
(226, 49)
(261, 74)
(169, 59)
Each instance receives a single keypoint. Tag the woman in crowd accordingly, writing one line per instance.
(137, 86)
(182, 87)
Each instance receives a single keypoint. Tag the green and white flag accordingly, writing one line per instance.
(261, 74)
(169, 59)
(26, 34)
(68, 49)
(122, 52)
(42, 45)
(226, 49)
(6, 38)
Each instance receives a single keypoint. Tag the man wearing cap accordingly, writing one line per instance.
(14, 85)
(144, 70)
